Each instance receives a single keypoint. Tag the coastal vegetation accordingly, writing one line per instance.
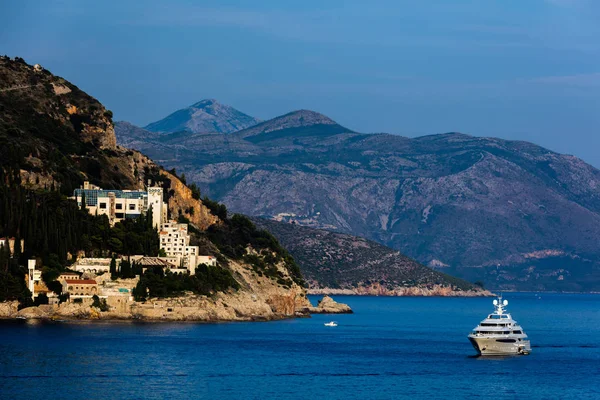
(156, 282)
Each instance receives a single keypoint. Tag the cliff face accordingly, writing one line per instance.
(470, 206)
(182, 203)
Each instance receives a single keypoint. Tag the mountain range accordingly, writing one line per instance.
(512, 214)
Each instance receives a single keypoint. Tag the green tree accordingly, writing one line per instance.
(113, 268)
(195, 191)
(126, 269)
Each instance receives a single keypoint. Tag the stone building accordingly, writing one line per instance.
(68, 275)
(80, 287)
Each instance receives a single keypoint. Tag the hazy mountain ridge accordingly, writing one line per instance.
(205, 116)
(451, 201)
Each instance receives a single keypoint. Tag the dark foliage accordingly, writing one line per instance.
(235, 234)
(208, 280)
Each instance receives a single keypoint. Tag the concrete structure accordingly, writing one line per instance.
(122, 204)
(208, 260)
(166, 263)
(175, 241)
(94, 265)
(33, 278)
(35, 284)
(80, 287)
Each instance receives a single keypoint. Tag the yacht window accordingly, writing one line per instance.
(517, 332)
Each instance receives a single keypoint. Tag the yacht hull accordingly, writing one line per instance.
(490, 346)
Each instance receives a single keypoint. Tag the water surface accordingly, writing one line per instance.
(390, 348)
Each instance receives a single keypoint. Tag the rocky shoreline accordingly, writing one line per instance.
(220, 308)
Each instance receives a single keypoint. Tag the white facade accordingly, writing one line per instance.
(34, 277)
(175, 241)
(94, 265)
(121, 204)
(208, 260)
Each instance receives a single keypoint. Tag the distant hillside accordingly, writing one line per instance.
(129, 135)
(295, 124)
(512, 214)
(206, 116)
(330, 260)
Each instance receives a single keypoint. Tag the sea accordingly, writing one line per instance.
(390, 348)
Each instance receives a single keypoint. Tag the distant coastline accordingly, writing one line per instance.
(436, 291)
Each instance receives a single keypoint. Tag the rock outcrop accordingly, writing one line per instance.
(329, 306)
(9, 309)
(181, 202)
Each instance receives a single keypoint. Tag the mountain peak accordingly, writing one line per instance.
(205, 103)
(205, 116)
(308, 117)
(296, 120)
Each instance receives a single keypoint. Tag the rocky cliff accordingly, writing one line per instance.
(474, 207)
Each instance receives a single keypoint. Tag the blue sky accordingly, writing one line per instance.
(516, 69)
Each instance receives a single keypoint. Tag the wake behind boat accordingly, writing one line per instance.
(499, 334)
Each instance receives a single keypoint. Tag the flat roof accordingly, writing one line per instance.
(82, 281)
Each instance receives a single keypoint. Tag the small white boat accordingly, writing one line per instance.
(332, 323)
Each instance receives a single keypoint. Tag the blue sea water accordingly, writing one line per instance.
(390, 348)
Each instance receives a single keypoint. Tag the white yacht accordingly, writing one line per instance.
(499, 334)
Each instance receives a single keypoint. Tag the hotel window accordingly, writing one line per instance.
(103, 205)
(119, 206)
(132, 206)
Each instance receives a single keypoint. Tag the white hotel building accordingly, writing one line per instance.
(121, 204)
(175, 241)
